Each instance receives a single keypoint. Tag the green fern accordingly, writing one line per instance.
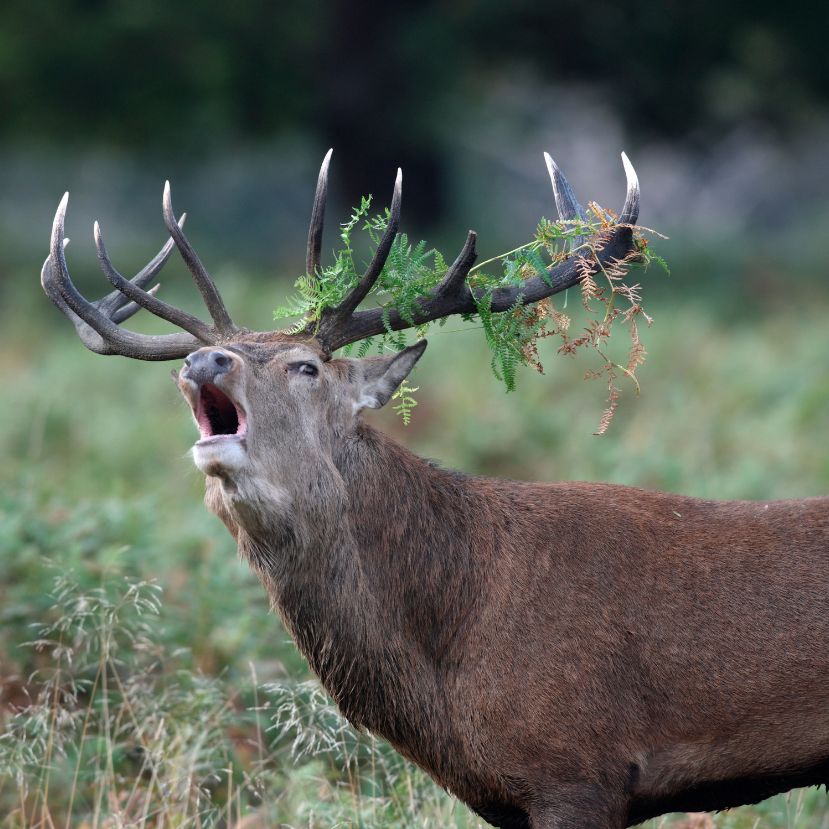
(364, 347)
(405, 401)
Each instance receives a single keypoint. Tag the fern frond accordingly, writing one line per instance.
(405, 401)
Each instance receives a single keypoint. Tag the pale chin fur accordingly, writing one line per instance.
(220, 458)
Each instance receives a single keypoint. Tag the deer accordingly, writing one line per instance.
(557, 656)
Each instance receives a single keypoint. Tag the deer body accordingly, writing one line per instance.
(559, 656)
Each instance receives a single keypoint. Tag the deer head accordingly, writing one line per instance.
(264, 400)
(280, 411)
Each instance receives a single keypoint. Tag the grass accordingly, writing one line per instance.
(143, 682)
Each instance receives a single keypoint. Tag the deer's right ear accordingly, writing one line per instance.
(379, 377)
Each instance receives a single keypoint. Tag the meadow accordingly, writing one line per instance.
(146, 683)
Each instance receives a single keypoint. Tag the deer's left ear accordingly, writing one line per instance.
(379, 377)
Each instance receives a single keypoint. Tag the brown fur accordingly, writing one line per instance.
(564, 655)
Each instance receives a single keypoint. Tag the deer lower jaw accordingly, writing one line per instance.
(221, 455)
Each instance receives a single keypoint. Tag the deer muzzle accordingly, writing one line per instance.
(204, 365)
(210, 381)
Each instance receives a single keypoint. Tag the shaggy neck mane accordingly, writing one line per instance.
(371, 570)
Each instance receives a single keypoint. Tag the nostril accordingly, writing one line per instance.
(187, 362)
(221, 360)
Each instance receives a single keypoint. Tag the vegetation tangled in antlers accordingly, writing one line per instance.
(412, 274)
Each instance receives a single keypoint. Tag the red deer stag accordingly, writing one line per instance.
(564, 655)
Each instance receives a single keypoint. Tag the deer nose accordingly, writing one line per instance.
(205, 365)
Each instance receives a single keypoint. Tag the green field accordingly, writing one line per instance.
(146, 683)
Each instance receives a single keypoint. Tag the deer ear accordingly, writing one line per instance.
(379, 377)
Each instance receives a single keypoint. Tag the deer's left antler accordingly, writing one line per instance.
(344, 324)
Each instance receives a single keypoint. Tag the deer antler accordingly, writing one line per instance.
(343, 324)
(98, 323)
(312, 257)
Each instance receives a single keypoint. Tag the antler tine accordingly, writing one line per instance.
(205, 284)
(347, 307)
(146, 300)
(567, 205)
(312, 256)
(454, 281)
(454, 296)
(95, 328)
(116, 305)
(630, 210)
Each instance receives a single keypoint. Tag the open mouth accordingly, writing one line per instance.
(218, 416)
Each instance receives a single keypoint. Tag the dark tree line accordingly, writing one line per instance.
(384, 81)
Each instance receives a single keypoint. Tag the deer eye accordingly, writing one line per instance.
(308, 369)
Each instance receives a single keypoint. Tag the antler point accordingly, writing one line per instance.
(58, 222)
(630, 210)
(167, 205)
(60, 213)
(629, 170)
(397, 196)
(326, 161)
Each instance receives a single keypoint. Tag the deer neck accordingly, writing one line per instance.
(368, 561)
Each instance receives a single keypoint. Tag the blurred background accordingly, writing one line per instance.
(193, 708)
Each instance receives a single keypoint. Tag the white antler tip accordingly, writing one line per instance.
(60, 218)
(325, 162)
(629, 171)
(167, 199)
